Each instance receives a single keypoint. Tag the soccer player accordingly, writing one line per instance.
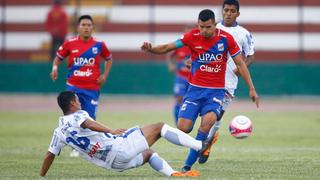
(176, 62)
(85, 55)
(209, 53)
(116, 149)
(230, 13)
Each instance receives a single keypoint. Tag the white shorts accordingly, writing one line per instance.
(129, 152)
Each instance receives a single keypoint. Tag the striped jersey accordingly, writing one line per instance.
(209, 57)
(84, 61)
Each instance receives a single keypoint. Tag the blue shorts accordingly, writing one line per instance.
(180, 86)
(200, 101)
(88, 99)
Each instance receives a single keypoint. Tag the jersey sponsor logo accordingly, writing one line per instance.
(81, 61)
(75, 51)
(210, 57)
(198, 47)
(207, 68)
(220, 47)
(86, 73)
(93, 102)
(94, 149)
(95, 50)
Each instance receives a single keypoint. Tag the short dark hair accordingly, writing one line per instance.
(85, 17)
(206, 14)
(232, 2)
(64, 100)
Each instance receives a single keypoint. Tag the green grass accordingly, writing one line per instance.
(284, 145)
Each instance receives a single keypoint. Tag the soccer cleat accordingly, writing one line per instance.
(178, 174)
(185, 168)
(192, 173)
(204, 155)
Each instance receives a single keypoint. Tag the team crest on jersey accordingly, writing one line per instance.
(95, 50)
(220, 47)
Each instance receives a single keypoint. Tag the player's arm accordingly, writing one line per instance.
(107, 67)
(48, 159)
(249, 60)
(244, 72)
(96, 126)
(160, 49)
(54, 71)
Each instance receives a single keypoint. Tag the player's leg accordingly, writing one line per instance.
(180, 89)
(176, 109)
(154, 131)
(210, 111)
(121, 163)
(213, 134)
(206, 123)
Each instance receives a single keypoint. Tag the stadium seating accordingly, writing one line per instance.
(286, 30)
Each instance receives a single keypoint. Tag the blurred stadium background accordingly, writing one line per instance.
(286, 34)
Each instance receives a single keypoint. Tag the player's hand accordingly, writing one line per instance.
(254, 97)
(101, 80)
(54, 75)
(188, 63)
(146, 46)
(117, 131)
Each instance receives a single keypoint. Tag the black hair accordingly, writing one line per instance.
(232, 2)
(64, 100)
(206, 14)
(85, 17)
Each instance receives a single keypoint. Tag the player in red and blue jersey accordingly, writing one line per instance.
(177, 63)
(85, 56)
(209, 54)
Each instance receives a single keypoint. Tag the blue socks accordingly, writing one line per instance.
(193, 155)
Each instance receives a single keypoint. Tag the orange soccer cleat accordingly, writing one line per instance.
(178, 174)
(203, 157)
(192, 173)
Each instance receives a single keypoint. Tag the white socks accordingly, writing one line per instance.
(214, 128)
(180, 138)
(160, 165)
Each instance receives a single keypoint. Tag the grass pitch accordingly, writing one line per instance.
(284, 145)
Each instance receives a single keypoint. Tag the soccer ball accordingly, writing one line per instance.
(240, 127)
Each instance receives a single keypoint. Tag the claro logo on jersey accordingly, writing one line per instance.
(81, 61)
(207, 68)
(86, 73)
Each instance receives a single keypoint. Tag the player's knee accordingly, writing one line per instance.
(147, 154)
(159, 125)
(185, 128)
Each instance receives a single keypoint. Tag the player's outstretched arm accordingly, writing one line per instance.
(96, 126)
(244, 72)
(48, 159)
(54, 71)
(160, 49)
(103, 77)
